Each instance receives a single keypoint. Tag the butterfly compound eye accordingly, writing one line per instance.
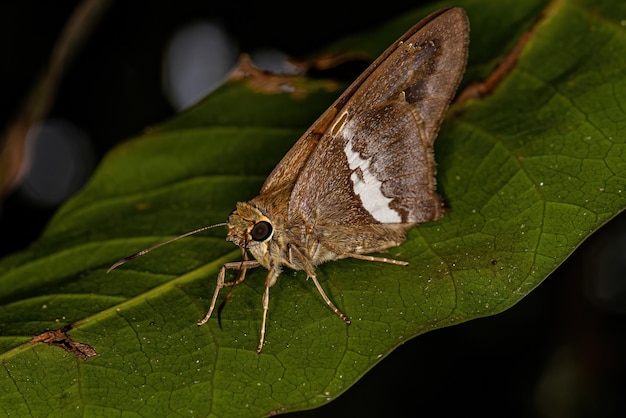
(261, 231)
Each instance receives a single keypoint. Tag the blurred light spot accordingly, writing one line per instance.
(273, 60)
(197, 60)
(58, 160)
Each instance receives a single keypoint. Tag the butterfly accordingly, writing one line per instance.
(362, 175)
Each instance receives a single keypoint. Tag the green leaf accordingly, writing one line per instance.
(528, 172)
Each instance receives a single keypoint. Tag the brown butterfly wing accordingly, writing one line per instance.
(456, 31)
(374, 162)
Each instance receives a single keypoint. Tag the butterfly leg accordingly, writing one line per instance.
(295, 254)
(360, 257)
(377, 259)
(242, 266)
(272, 275)
(266, 304)
(330, 304)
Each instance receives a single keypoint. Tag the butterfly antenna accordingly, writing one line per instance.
(154, 247)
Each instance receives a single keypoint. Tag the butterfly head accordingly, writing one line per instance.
(249, 228)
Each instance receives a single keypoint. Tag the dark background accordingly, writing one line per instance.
(557, 353)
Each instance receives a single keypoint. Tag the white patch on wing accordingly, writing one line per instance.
(369, 188)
